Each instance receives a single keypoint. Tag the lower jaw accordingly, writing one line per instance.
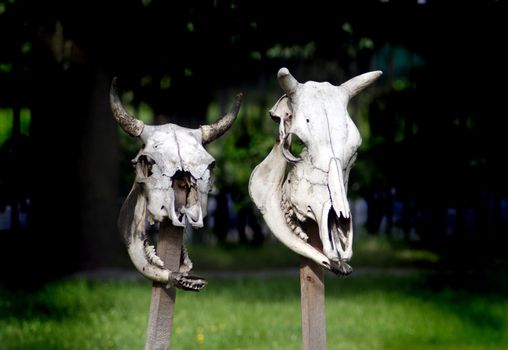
(341, 267)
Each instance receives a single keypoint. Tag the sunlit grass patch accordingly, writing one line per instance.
(366, 311)
(74, 315)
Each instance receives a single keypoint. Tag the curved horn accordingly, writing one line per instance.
(354, 85)
(211, 132)
(286, 81)
(129, 124)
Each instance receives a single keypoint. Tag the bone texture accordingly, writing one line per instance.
(128, 123)
(217, 129)
(315, 187)
(173, 179)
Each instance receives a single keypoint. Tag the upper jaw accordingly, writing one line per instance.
(192, 216)
(335, 234)
(328, 207)
(339, 232)
(179, 202)
(339, 216)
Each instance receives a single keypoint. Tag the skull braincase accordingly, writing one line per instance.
(325, 128)
(316, 184)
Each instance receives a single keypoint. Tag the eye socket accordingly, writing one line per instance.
(144, 165)
(297, 146)
(292, 148)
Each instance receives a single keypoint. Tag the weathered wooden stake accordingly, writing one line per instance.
(160, 320)
(312, 296)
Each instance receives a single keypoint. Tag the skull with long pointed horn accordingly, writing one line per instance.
(173, 179)
(314, 189)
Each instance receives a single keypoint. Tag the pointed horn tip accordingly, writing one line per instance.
(287, 82)
(114, 83)
(373, 76)
(239, 97)
(282, 72)
(237, 103)
(113, 90)
(134, 127)
(211, 132)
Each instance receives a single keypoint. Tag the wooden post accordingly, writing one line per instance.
(160, 320)
(312, 296)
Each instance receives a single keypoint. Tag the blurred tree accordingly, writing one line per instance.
(431, 127)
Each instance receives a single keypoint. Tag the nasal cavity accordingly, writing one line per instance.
(181, 187)
(144, 165)
(181, 179)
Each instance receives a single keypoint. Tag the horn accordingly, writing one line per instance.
(354, 85)
(286, 81)
(211, 132)
(129, 124)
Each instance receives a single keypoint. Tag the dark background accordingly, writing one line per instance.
(431, 167)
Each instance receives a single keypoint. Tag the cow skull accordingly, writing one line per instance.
(315, 186)
(173, 178)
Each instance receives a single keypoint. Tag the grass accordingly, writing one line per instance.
(367, 311)
(429, 306)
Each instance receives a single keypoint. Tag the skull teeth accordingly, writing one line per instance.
(152, 256)
(190, 283)
(289, 215)
(151, 221)
(301, 234)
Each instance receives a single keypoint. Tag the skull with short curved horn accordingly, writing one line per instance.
(173, 179)
(315, 186)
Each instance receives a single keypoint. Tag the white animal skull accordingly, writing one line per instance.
(173, 179)
(315, 186)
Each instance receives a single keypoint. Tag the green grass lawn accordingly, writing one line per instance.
(364, 311)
